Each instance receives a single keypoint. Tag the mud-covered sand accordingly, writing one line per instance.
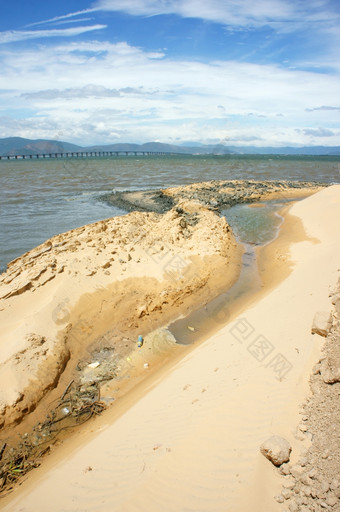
(214, 195)
(198, 427)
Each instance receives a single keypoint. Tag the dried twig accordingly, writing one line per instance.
(67, 389)
(2, 449)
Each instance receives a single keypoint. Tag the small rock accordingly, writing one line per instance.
(307, 491)
(324, 487)
(334, 484)
(335, 298)
(276, 449)
(306, 480)
(296, 472)
(332, 501)
(330, 371)
(322, 323)
(280, 499)
(142, 311)
(285, 469)
(286, 493)
(289, 485)
(313, 473)
(293, 507)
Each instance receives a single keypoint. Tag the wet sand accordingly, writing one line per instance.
(198, 429)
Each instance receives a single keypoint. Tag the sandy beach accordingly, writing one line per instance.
(188, 436)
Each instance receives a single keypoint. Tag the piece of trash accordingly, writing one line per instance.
(128, 358)
(140, 341)
(146, 365)
(107, 399)
(66, 411)
(191, 328)
(93, 365)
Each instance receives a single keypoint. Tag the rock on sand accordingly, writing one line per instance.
(276, 449)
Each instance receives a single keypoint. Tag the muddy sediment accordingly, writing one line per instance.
(214, 195)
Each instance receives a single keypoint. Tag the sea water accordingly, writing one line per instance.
(41, 198)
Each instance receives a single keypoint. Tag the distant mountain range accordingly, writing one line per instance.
(20, 146)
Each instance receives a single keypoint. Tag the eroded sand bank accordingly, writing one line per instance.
(191, 442)
(117, 278)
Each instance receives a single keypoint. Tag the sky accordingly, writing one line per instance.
(233, 72)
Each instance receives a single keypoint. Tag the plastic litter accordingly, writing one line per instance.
(65, 411)
(146, 365)
(140, 341)
(93, 365)
(192, 329)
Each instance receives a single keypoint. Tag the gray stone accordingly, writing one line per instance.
(322, 323)
(276, 449)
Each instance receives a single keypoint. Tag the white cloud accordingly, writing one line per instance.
(284, 15)
(64, 17)
(319, 132)
(94, 91)
(12, 36)
(88, 91)
(323, 107)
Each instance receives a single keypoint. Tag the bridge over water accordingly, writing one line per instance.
(82, 154)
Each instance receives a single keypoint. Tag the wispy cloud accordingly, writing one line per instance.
(88, 91)
(283, 15)
(64, 17)
(12, 36)
(140, 96)
(98, 91)
(319, 132)
(323, 107)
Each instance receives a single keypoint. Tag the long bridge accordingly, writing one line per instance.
(82, 154)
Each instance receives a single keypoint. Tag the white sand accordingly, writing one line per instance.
(191, 441)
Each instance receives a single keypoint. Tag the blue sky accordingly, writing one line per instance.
(237, 72)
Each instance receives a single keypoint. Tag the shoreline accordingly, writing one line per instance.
(270, 250)
(214, 195)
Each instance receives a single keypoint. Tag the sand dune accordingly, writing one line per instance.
(191, 440)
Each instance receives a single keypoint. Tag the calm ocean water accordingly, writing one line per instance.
(40, 198)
